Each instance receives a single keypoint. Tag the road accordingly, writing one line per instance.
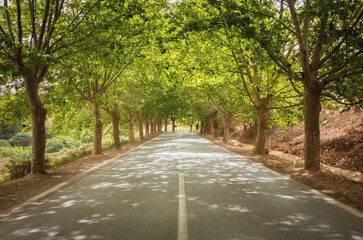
(181, 186)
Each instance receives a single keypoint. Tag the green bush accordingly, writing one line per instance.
(107, 144)
(4, 143)
(71, 143)
(66, 155)
(21, 139)
(16, 153)
(54, 145)
(17, 169)
(57, 143)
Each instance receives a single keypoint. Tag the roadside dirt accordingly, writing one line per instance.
(337, 187)
(20, 190)
(341, 137)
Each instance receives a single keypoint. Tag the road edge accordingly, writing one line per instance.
(317, 193)
(36, 200)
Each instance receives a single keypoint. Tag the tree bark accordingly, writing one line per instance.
(312, 108)
(38, 115)
(216, 128)
(191, 126)
(152, 127)
(115, 115)
(212, 118)
(160, 126)
(173, 124)
(97, 128)
(131, 128)
(262, 118)
(205, 126)
(147, 129)
(139, 122)
(312, 86)
(155, 125)
(227, 125)
(197, 127)
(166, 124)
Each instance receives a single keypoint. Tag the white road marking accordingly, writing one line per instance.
(182, 211)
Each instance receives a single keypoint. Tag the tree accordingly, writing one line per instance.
(37, 37)
(327, 35)
(227, 52)
(91, 77)
(228, 101)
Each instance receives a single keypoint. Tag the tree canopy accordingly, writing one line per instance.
(205, 62)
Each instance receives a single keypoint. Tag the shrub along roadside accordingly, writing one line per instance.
(21, 139)
(16, 153)
(19, 168)
(57, 143)
(16, 169)
(4, 143)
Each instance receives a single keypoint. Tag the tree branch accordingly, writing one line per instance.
(239, 70)
(329, 95)
(4, 33)
(294, 105)
(8, 21)
(338, 68)
(69, 29)
(44, 23)
(115, 77)
(20, 29)
(319, 45)
(294, 87)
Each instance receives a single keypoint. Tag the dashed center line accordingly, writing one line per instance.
(182, 211)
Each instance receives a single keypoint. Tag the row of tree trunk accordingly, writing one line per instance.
(151, 127)
(209, 126)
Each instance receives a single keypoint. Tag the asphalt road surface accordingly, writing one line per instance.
(181, 186)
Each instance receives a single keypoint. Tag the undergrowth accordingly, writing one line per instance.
(19, 165)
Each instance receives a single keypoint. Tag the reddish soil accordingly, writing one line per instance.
(20, 190)
(341, 139)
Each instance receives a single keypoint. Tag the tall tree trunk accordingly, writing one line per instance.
(115, 115)
(312, 108)
(191, 126)
(147, 129)
(160, 126)
(173, 124)
(205, 126)
(38, 115)
(262, 118)
(212, 118)
(152, 127)
(211, 126)
(97, 128)
(139, 122)
(227, 125)
(166, 124)
(216, 128)
(131, 128)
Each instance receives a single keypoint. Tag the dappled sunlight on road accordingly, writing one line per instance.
(136, 197)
